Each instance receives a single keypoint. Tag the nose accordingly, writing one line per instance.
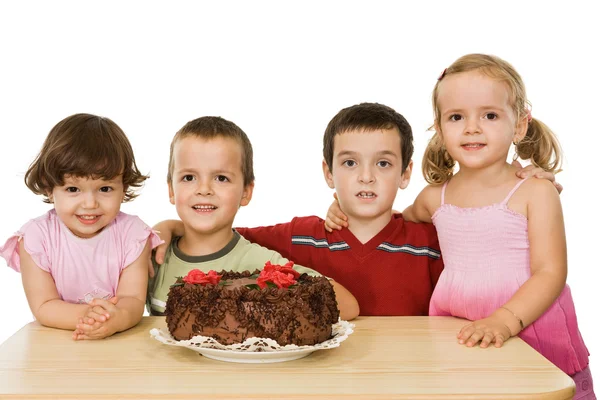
(472, 126)
(204, 187)
(366, 175)
(90, 201)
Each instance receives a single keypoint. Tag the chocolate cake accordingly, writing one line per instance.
(276, 303)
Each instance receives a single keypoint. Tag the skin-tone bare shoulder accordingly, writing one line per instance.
(533, 193)
(425, 205)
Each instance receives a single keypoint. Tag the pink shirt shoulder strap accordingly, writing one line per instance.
(514, 189)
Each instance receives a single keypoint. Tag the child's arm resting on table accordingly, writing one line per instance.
(123, 311)
(548, 260)
(43, 298)
(347, 303)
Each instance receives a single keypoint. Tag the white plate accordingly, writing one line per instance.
(253, 357)
(254, 350)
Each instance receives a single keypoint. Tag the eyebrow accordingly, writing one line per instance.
(75, 181)
(194, 171)
(379, 153)
(115, 180)
(456, 110)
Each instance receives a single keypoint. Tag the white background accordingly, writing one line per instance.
(281, 71)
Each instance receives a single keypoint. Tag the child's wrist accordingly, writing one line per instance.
(510, 320)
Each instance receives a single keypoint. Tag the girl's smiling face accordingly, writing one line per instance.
(87, 205)
(477, 120)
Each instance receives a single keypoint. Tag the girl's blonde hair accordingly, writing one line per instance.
(539, 144)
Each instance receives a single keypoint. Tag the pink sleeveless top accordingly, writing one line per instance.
(486, 260)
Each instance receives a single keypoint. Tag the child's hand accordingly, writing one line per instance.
(487, 330)
(537, 172)
(97, 313)
(336, 219)
(165, 232)
(99, 322)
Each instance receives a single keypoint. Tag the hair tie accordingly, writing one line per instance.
(529, 117)
(442, 74)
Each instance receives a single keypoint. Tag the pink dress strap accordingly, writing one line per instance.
(444, 191)
(514, 189)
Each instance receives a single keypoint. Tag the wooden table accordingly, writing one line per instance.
(385, 358)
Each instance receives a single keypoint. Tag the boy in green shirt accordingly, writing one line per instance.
(210, 177)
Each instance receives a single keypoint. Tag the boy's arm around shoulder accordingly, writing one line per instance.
(424, 206)
(276, 237)
(166, 230)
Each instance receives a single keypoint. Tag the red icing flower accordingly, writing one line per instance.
(196, 276)
(281, 275)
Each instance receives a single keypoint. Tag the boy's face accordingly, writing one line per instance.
(208, 183)
(367, 172)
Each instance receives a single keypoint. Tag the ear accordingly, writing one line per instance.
(405, 179)
(328, 175)
(247, 194)
(171, 194)
(49, 196)
(521, 129)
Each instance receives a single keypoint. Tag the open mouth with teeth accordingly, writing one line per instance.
(88, 219)
(366, 195)
(204, 207)
(473, 146)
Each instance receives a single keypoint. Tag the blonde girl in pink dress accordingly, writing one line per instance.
(502, 238)
(84, 263)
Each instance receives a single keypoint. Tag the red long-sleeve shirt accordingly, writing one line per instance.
(392, 274)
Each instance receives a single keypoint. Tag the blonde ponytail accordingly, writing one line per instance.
(438, 165)
(541, 146)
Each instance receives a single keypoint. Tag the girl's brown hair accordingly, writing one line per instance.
(539, 144)
(84, 145)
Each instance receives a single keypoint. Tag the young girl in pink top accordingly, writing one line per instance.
(502, 238)
(84, 263)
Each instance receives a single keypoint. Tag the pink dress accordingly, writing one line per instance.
(486, 258)
(82, 269)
